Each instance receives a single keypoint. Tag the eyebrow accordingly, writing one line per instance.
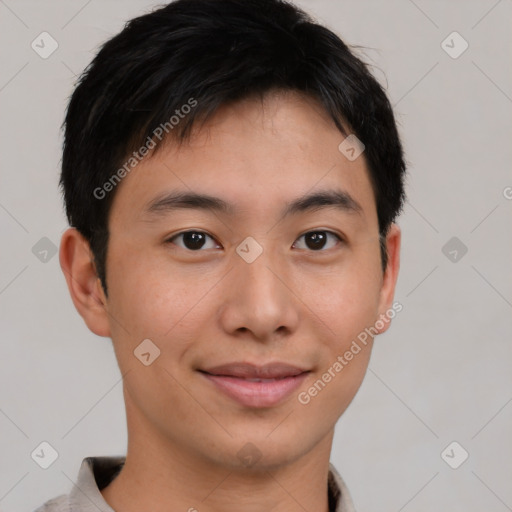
(175, 200)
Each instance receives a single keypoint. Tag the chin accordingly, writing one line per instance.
(258, 450)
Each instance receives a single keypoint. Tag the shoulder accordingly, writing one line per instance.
(94, 474)
(57, 504)
(340, 491)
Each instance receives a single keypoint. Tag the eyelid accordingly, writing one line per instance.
(323, 230)
(340, 238)
(316, 230)
(176, 235)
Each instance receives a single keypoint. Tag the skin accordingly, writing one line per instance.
(208, 307)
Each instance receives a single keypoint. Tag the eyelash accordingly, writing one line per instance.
(171, 240)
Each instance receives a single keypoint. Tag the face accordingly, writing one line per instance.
(253, 296)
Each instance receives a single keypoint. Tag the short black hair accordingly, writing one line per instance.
(204, 54)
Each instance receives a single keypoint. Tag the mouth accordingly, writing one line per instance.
(256, 386)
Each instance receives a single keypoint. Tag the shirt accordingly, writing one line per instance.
(97, 472)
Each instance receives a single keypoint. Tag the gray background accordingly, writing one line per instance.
(442, 373)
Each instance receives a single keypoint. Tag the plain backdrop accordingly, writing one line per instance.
(441, 374)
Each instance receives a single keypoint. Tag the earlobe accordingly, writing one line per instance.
(84, 286)
(387, 292)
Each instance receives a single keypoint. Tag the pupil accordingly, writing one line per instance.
(193, 240)
(317, 240)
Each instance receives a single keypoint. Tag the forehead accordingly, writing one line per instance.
(253, 154)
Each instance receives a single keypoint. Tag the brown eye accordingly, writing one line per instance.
(318, 240)
(193, 240)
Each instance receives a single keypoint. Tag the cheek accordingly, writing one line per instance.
(146, 296)
(354, 309)
(153, 300)
(149, 303)
(328, 396)
(349, 312)
(346, 300)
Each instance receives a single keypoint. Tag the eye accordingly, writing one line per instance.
(193, 240)
(316, 240)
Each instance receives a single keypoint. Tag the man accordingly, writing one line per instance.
(232, 174)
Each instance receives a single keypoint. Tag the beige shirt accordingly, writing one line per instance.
(97, 472)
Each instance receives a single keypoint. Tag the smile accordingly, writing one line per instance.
(256, 386)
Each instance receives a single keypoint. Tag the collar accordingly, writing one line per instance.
(97, 472)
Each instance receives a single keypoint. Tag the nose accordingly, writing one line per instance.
(259, 301)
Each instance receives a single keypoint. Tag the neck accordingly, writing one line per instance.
(162, 475)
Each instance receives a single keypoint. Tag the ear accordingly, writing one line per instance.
(387, 292)
(77, 263)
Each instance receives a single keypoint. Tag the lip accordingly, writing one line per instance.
(256, 386)
(243, 370)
